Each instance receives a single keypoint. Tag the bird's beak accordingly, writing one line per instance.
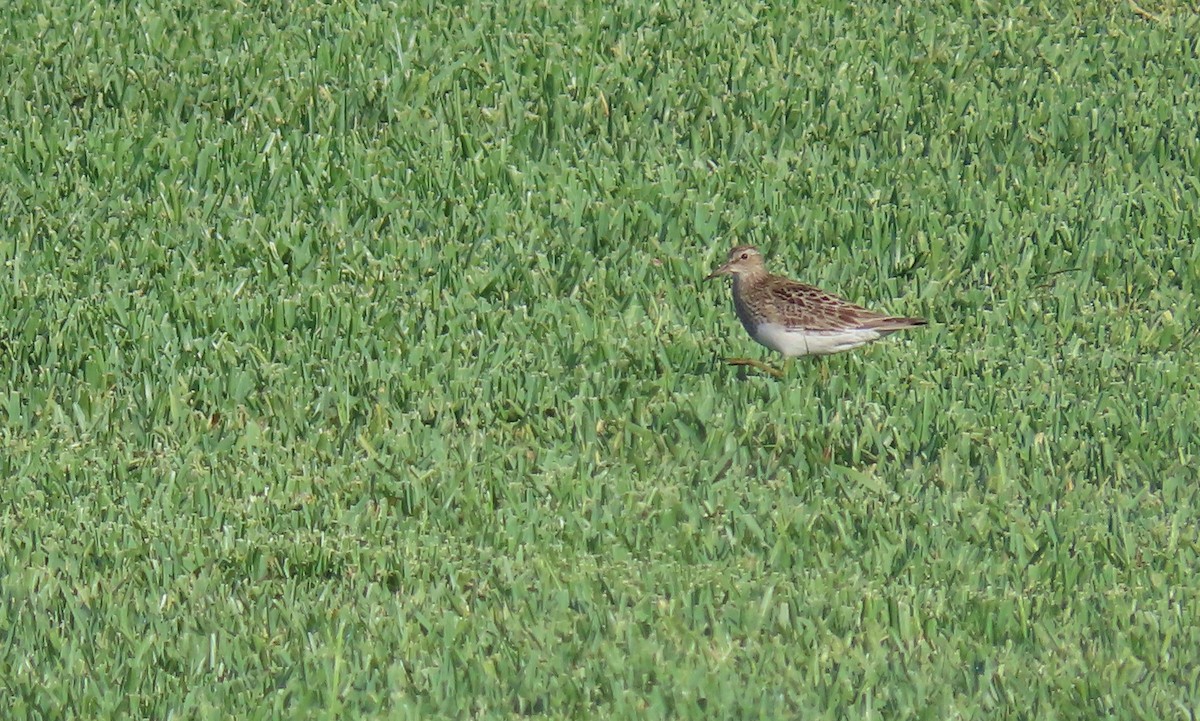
(723, 270)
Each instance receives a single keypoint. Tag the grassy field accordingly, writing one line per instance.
(355, 361)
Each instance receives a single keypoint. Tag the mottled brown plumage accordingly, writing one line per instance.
(797, 319)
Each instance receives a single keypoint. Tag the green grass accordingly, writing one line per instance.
(355, 362)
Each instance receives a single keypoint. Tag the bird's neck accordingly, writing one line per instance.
(747, 278)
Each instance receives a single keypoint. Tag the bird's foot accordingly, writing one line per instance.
(756, 364)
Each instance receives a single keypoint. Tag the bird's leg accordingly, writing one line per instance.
(756, 364)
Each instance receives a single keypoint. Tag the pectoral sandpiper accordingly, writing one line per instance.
(796, 319)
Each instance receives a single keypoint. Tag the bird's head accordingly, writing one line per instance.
(743, 260)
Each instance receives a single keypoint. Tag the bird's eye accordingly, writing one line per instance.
(745, 256)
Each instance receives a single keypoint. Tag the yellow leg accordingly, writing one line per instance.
(758, 364)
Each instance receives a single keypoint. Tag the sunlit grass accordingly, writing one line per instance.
(356, 362)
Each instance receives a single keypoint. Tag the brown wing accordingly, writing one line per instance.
(811, 308)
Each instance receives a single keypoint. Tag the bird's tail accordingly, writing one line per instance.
(891, 324)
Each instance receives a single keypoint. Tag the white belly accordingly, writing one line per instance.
(809, 342)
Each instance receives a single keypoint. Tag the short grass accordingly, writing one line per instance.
(355, 361)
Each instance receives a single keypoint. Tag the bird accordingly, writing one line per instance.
(797, 319)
